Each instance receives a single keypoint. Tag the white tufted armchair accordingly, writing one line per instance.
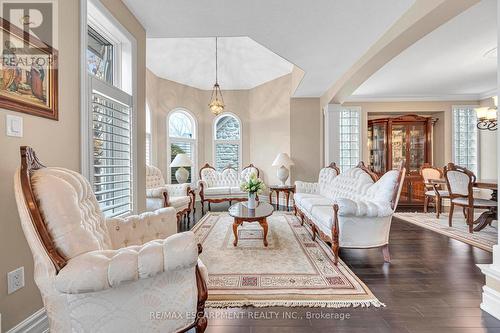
(159, 194)
(106, 275)
(223, 186)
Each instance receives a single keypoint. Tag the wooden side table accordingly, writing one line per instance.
(286, 189)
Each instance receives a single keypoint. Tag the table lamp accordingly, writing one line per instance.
(180, 161)
(283, 161)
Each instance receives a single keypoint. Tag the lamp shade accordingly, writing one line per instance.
(282, 160)
(482, 113)
(181, 160)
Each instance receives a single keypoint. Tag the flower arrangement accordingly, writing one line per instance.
(253, 184)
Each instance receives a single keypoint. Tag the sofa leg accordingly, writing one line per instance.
(314, 232)
(295, 210)
(386, 253)
(202, 207)
(209, 207)
(336, 250)
(201, 325)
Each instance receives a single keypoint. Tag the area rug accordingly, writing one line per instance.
(291, 271)
(484, 239)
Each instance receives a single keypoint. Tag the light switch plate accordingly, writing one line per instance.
(14, 126)
(15, 280)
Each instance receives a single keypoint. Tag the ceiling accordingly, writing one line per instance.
(322, 37)
(449, 63)
(243, 63)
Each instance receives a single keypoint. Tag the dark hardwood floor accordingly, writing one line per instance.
(431, 285)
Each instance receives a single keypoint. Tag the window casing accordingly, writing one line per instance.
(109, 159)
(465, 137)
(349, 140)
(182, 140)
(227, 142)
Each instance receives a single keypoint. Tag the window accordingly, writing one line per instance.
(149, 138)
(182, 140)
(108, 122)
(465, 137)
(99, 56)
(227, 142)
(349, 147)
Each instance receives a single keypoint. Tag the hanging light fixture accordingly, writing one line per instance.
(487, 117)
(216, 104)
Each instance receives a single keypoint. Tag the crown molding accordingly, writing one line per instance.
(415, 98)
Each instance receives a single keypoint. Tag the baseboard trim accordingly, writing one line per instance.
(36, 323)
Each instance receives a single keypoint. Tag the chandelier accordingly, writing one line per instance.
(216, 104)
(487, 117)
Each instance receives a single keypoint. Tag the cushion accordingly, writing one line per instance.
(217, 191)
(178, 202)
(309, 203)
(477, 202)
(441, 193)
(237, 191)
(71, 211)
(300, 197)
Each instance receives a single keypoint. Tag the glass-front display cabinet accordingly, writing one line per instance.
(406, 139)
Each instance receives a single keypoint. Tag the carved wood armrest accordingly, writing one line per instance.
(192, 195)
(166, 201)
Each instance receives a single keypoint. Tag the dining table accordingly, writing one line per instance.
(488, 216)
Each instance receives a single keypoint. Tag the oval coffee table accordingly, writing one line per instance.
(241, 214)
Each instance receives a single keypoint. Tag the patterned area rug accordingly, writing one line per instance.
(484, 239)
(292, 271)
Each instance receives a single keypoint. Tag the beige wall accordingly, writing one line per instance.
(57, 144)
(264, 112)
(305, 132)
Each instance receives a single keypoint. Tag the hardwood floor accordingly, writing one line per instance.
(431, 285)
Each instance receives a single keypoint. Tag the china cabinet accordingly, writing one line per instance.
(406, 139)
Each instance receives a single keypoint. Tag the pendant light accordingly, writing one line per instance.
(216, 104)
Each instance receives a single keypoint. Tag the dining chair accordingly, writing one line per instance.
(433, 192)
(460, 183)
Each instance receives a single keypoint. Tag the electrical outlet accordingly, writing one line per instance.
(15, 280)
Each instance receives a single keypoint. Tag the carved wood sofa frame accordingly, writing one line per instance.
(29, 164)
(219, 200)
(333, 239)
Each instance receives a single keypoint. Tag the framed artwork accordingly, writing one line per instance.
(28, 73)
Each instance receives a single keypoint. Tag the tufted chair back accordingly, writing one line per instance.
(325, 180)
(459, 180)
(154, 177)
(351, 184)
(70, 211)
(429, 172)
(245, 173)
(226, 178)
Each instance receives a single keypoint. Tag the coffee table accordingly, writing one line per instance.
(241, 214)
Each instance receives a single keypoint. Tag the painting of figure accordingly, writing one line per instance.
(28, 74)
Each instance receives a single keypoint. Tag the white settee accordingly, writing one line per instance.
(215, 186)
(353, 209)
(159, 194)
(106, 275)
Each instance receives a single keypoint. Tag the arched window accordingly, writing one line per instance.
(181, 140)
(149, 137)
(227, 142)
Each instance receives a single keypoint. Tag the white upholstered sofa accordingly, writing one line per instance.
(215, 186)
(106, 275)
(353, 209)
(159, 194)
